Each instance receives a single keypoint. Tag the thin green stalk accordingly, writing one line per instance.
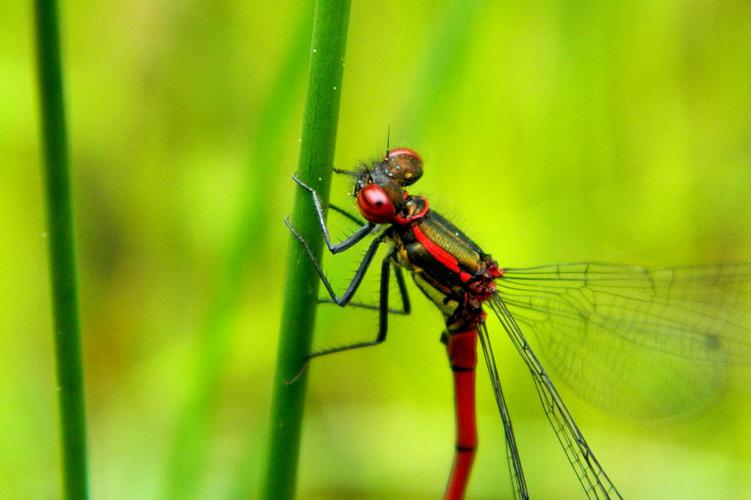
(316, 157)
(62, 253)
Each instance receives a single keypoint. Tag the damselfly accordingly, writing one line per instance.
(604, 328)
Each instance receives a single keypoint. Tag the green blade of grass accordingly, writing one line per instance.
(301, 290)
(62, 253)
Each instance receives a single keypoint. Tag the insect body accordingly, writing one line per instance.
(681, 313)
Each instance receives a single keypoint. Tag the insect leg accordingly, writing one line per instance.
(382, 317)
(403, 294)
(345, 213)
(357, 236)
(344, 299)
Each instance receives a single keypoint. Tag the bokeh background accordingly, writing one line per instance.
(552, 132)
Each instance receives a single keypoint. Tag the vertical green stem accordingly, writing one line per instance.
(316, 158)
(62, 253)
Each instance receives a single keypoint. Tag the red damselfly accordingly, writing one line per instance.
(603, 328)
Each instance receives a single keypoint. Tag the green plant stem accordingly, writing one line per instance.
(301, 291)
(62, 254)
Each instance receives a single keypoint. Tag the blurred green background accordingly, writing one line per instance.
(552, 132)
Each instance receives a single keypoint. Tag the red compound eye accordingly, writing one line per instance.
(397, 152)
(374, 204)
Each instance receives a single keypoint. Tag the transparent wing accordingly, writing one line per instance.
(636, 340)
(592, 477)
(513, 459)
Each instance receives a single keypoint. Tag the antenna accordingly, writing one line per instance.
(388, 140)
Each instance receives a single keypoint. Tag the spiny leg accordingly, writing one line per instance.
(357, 236)
(406, 306)
(344, 299)
(349, 292)
(403, 294)
(383, 315)
(346, 214)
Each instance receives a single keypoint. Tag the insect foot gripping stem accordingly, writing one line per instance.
(462, 352)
